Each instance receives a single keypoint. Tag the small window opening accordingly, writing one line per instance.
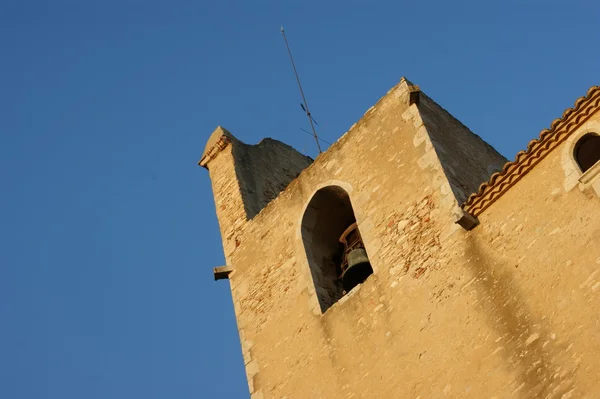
(335, 250)
(587, 151)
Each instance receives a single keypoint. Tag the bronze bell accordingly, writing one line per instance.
(355, 265)
(359, 268)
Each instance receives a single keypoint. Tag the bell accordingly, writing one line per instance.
(358, 269)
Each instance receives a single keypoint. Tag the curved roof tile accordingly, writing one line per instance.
(537, 149)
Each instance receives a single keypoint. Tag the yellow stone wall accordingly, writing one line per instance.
(508, 309)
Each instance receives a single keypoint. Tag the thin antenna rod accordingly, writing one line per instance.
(309, 133)
(302, 92)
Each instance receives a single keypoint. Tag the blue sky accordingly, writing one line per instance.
(108, 227)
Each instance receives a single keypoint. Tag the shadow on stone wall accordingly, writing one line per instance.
(264, 170)
(526, 342)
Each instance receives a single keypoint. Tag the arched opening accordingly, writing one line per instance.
(587, 151)
(336, 254)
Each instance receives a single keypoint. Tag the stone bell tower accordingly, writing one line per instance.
(398, 263)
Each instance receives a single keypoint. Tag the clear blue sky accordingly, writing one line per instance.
(108, 232)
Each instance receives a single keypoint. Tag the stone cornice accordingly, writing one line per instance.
(537, 149)
(217, 142)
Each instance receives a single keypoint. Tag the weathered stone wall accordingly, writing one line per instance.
(536, 259)
(245, 178)
(507, 309)
(264, 170)
(228, 198)
(467, 160)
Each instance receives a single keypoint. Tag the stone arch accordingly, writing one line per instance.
(328, 215)
(571, 167)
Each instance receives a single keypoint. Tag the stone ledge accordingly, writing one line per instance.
(222, 272)
(591, 174)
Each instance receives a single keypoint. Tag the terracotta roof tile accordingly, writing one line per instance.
(537, 149)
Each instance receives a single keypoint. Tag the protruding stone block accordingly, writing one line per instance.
(222, 272)
(465, 219)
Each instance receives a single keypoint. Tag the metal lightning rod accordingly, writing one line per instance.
(305, 105)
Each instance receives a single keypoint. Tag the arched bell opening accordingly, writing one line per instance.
(335, 250)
